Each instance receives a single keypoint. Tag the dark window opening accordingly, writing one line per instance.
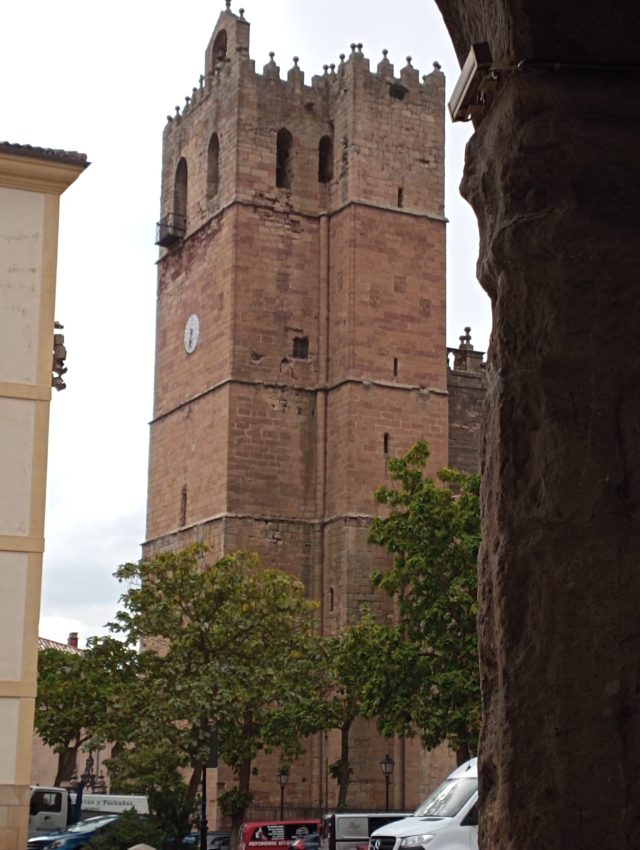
(331, 600)
(183, 506)
(398, 91)
(385, 443)
(283, 159)
(172, 227)
(180, 190)
(400, 196)
(325, 160)
(219, 48)
(300, 348)
(213, 162)
(395, 367)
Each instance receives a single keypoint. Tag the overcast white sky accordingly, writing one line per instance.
(101, 79)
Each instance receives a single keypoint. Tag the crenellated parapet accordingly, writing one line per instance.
(353, 134)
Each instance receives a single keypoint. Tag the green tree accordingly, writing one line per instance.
(228, 647)
(74, 690)
(359, 659)
(433, 532)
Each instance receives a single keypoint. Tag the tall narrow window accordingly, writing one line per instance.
(213, 164)
(180, 190)
(283, 159)
(183, 506)
(325, 160)
(385, 443)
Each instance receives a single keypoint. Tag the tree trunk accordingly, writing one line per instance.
(194, 781)
(66, 765)
(463, 753)
(237, 819)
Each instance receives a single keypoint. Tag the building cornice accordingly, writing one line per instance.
(34, 173)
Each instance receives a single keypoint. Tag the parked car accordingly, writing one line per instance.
(215, 841)
(311, 841)
(75, 836)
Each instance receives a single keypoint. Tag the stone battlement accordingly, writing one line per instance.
(219, 62)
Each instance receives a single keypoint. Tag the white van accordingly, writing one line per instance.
(447, 820)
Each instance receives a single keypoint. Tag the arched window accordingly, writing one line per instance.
(213, 157)
(325, 160)
(180, 192)
(283, 159)
(219, 48)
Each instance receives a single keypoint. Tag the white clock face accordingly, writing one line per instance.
(191, 333)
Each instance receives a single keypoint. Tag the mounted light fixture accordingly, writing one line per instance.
(466, 98)
(386, 766)
(283, 777)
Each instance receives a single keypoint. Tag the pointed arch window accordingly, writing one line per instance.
(180, 191)
(219, 48)
(325, 160)
(213, 167)
(283, 158)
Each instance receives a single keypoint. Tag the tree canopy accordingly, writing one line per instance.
(74, 691)
(433, 532)
(229, 647)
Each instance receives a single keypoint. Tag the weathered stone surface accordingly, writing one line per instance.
(551, 173)
(253, 445)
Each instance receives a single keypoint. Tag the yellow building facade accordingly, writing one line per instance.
(31, 182)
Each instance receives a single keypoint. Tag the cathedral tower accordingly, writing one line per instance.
(300, 326)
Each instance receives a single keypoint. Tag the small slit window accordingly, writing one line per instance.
(400, 197)
(385, 444)
(300, 348)
(213, 165)
(325, 160)
(183, 506)
(284, 147)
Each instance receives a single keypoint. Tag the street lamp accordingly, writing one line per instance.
(89, 777)
(283, 777)
(386, 766)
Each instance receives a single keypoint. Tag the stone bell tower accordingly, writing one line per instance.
(300, 331)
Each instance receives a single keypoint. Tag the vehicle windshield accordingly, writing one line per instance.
(90, 823)
(447, 800)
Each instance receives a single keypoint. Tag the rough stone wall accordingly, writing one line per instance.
(551, 173)
(467, 386)
(256, 442)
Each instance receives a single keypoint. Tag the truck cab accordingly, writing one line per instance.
(49, 809)
(446, 820)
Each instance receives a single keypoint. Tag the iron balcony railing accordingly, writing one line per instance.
(171, 229)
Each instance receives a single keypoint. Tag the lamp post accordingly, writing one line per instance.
(89, 777)
(386, 766)
(283, 777)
